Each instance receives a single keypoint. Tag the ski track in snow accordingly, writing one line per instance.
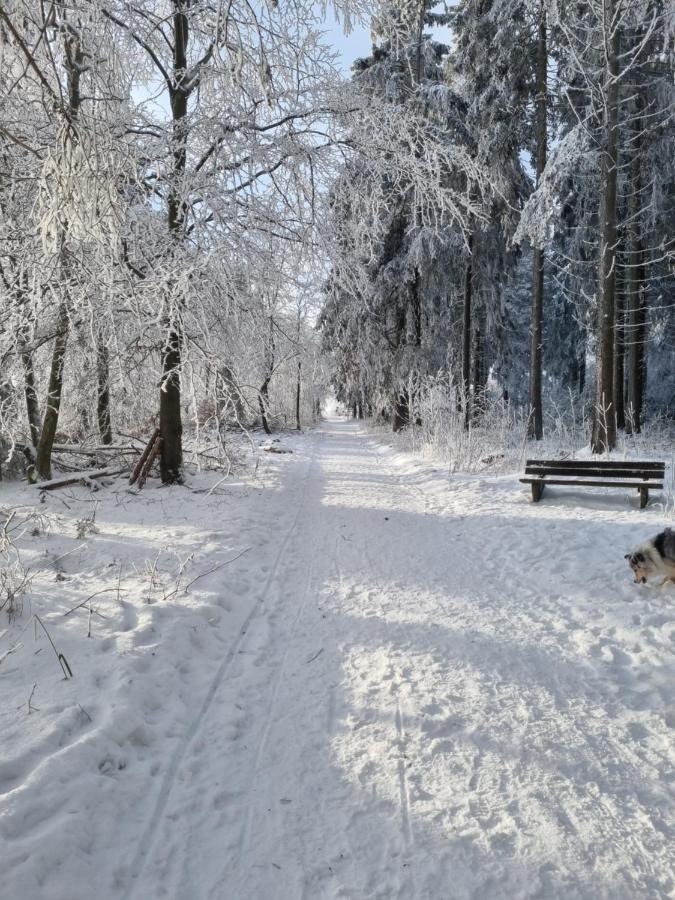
(180, 752)
(436, 690)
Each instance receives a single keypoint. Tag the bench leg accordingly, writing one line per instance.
(537, 491)
(644, 497)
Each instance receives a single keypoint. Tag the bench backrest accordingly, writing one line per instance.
(599, 468)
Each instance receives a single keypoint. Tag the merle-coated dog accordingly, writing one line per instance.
(655, 557)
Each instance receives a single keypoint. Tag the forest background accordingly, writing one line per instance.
(205, 227)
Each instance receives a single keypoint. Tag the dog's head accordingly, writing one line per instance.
(641, 565)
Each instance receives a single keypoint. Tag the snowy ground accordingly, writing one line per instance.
(408, 687)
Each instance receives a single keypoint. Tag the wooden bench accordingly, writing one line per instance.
(644, 476)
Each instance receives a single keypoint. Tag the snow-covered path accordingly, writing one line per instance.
(408, 713)
(411, 687)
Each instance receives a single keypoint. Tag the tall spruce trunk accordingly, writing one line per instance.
(477, 366)
(466, 335)
(401, 404)
(619, 349)
(170, 418)
(636, 312)
(297, 396)
(535, 423)
(603, 436)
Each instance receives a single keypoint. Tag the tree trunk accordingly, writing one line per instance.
(43, 459)
(477, 377)
(619, 350)
(26, 354)
(604, 414)
(30, 392)
(535, 423)
(263, 402)
(636, 313)
(170, 422)
(466, 336)
(170, 418)
(582, 369)
(401, 411)
(297, 397)
(74, 62)
(416, 303)
(263, 393)
(103, 413)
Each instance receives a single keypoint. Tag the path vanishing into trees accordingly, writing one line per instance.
(434, 695)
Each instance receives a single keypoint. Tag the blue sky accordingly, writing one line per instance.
(357, 43)
(351, 46)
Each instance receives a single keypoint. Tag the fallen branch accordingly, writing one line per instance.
(32, 708)
(85, 478)
(214, 569)
(138, 468)
(147, 465)
(63, 555)
(84, 602)
(63, 662)
(11, 650)
(92, 451)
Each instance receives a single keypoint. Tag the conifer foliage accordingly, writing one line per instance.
(561, 273)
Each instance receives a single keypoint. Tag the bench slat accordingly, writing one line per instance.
(597, 463)
(598, 471)
(649, 485)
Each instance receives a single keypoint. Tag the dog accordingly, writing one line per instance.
(655, 557)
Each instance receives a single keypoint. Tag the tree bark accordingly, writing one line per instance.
(636, 313)
(477, 377)
(43, 459)
(103, 412)
(603, 436)
(263, 393)
(26, 355)
(401, 411)
(170, 417)
(619, 350)
(170, 421)
(466, 335)
(263, 401)
(30, 393)
(74, 63)
(535, 422)
(582, 369)
(297, 397)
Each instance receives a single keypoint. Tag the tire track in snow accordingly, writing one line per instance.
(146, 842)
